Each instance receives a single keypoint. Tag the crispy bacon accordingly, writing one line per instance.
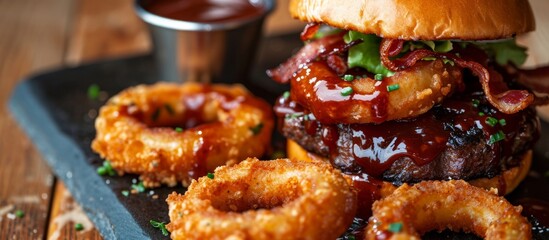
(309, 31)
(496, 90)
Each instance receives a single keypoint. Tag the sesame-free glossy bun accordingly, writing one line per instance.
(421, 19)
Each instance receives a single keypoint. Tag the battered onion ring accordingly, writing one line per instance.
(319, 89)
(278, 199)
(437, 205)
(220, 124)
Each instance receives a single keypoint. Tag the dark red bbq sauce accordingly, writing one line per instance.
(204, 11)
(368, 191)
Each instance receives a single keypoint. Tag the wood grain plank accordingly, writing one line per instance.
(32, 38)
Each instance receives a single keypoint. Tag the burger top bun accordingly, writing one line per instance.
(421, 19)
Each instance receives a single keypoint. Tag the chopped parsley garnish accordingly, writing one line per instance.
(346, 91)
(125, 193)
(93, 92)
(78, 227)
(393, 87)
(502, 122)
(210, 175)
(293, 115)
(348, 77)
(286, 95)
(378, 77)
(106, 169)
(395, 227)
(476, 102)
(19, 213)
(178, 129)
(257, 129)
(496, 137)
(481, 114)
(139, 187)
(161, 226)
(491, 121)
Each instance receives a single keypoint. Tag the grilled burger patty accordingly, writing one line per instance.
(463, 138)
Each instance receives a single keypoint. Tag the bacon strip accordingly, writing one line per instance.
(309, 31)
(496, 90)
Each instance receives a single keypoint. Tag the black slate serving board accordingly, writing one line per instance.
(55, 111)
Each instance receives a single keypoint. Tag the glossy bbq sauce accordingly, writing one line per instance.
(204, 11)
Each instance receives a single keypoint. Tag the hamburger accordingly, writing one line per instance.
(406, 91)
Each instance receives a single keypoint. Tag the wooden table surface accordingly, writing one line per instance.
(41, 35)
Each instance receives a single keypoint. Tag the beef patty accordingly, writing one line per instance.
(463, 138)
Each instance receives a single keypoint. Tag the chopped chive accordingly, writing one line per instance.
(139, 187)
(476, 102)
(286, 95)
(169, 109)
(395, 227)
(502, 122)
(161, 226)
(106, 169)
(125, 193)
(19, 213)
(93, 92)
(378, 77)
(496, 137)
(481, 114)
(293, 115)
(346, 91)
(210, 175)
(393, 87)
(257, 129)
(348, 77)
(155, 114)
(491, 121)
(178, 129)
(78, 227)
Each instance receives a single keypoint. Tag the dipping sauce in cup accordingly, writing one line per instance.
(204, 40)
(205, 11)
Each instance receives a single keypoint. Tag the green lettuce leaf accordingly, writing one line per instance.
(505, 52)
(365, 54)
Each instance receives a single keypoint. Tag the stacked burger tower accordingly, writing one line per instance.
(408, 91)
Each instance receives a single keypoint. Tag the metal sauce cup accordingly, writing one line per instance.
(219, 52)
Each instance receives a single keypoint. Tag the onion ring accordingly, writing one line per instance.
(169, 133)
(318, 88)
(277, 199)
(437, 205)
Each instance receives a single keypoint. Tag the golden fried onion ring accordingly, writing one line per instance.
(321, 90)
(169, 133)
(277, 199)
(436, 205)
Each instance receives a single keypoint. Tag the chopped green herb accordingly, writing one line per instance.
(481, 114)
(178, 129)
(155, 114)
(502, 122)
(161, 226)
(169, 109)
(448, 61)
(257, 129)
(393, 87)
(378, 77)
(476, 102)
(78, 227)
(429, 59)
(93, 92)
(125, 193)
(346, 91)
(491, 121)
(286, 95)
(348, 77)
(350, 237)
(210, 175)
(19, 213)
(395, 227)
(106, 169)
(293, 115)
(138, 187)
(496, 137)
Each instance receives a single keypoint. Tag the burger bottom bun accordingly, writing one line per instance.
(504, 183)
